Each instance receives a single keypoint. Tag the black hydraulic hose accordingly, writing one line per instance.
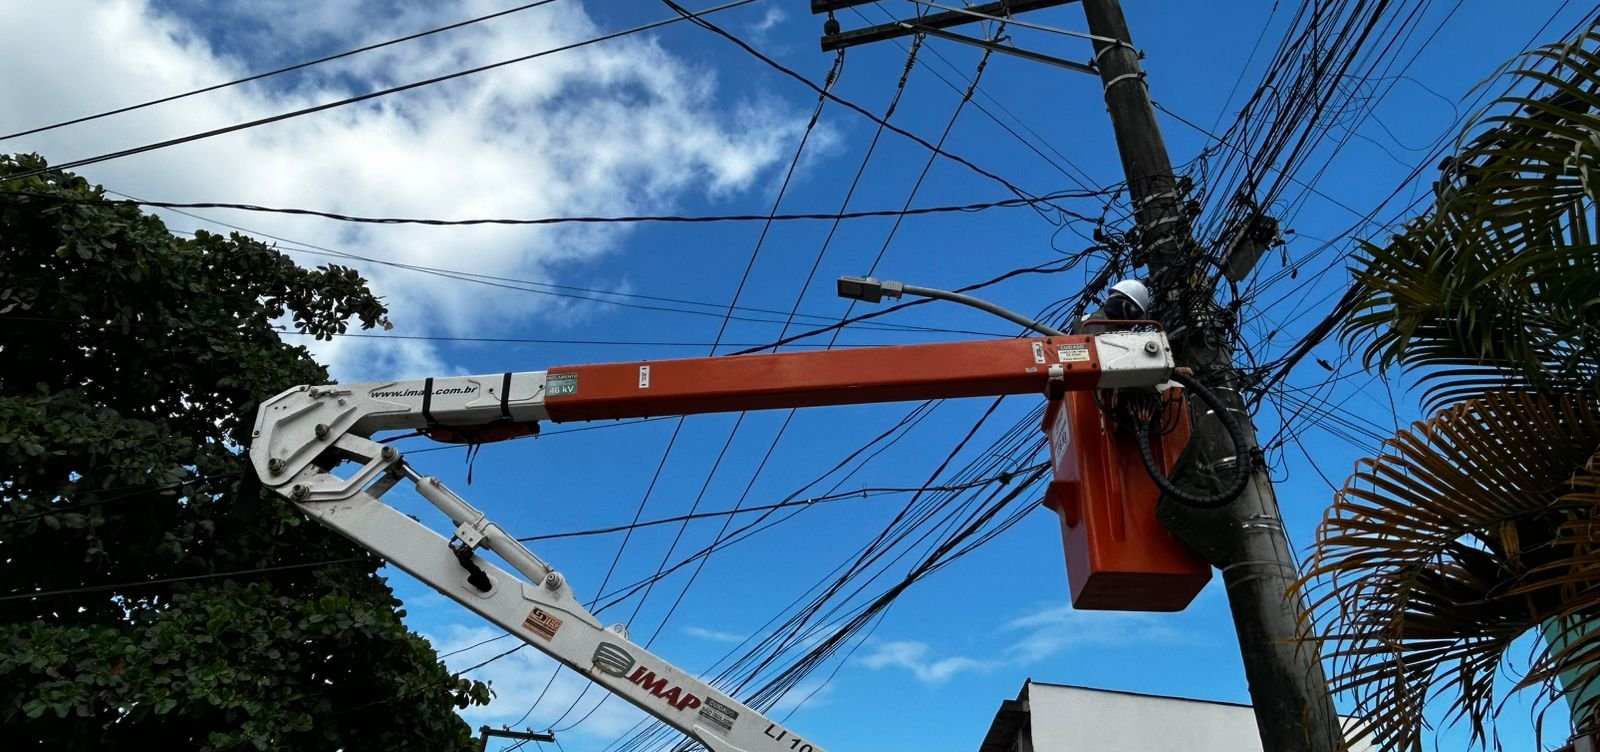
(1243, 462)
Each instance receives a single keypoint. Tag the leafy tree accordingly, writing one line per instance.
(153, 597)
(1481, 526)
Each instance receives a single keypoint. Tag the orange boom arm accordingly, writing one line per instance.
(844, 377)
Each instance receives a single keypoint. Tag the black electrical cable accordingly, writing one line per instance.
(624, 219)
(1053, 267)
(795, 632)
(829, 80)
(822, 251)
(860, 493)
(287, 69)
(170, 580)
(555, 290)
(791, 73)
(810, 276)
(478, 644)
(115, 326)
(1244, 463)
(1082, 178)
(74, 164)
(755, 254)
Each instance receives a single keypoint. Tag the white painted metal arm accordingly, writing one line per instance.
(299, 425)
(535, 603)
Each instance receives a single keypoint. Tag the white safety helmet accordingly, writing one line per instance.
(1135, 291)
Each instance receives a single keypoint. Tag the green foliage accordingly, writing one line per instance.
(130, 365)
(1477, 527)
(1498, 285)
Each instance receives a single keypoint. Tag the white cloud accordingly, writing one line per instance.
(1044, 633)
(624, 126)
(1058, 629)
(770, 20)
(713, 635)
(913, 656)
(808, 694)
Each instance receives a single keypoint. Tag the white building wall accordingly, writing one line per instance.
(1074, 719)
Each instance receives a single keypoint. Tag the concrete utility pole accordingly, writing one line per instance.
(1245, 539)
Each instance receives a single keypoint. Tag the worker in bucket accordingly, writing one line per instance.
(1129, 300)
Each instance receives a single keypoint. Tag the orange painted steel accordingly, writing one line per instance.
(811, 379)
(1119, 555)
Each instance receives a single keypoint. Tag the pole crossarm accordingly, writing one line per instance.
(1003, 49)
(915, 25)
(503, 733)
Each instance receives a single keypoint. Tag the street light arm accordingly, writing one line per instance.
(872, 290)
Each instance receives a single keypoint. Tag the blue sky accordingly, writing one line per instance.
(680, 121)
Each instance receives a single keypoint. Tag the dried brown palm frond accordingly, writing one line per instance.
(1470, 530)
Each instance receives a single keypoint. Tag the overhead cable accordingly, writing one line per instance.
(781, 68)
(1046, 199)
(268, 74)
(13, 596)
(683, 15)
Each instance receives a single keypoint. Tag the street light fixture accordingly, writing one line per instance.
(872, 290)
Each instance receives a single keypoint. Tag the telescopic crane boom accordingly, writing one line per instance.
(314, 445)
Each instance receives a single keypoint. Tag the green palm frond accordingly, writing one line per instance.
(1468, 531)
(1498, 285)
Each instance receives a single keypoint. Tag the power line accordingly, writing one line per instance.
(557, 290)
(739, 289)
(1282, 366)
(683, 14)
(268, 74)
(475, 645)
(739, 506)
(781, 68)
(887, 241)
(1225, 142)
(861, 493)
(1081, 178)
(830, 79)
(283, 330)
(1016, 22)
(170, 580)
(131, 492)
(805, 613)
(626, 219)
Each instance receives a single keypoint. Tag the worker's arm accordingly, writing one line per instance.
(314, 445)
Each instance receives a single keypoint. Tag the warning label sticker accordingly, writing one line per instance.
(720, 714)
(1038, 352)
(557, 384)
(1072, 353)
(542, 624)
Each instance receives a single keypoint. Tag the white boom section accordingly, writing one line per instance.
(297, 426)
(538, 606)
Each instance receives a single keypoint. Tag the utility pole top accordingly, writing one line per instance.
(919, 24)
(506, 733)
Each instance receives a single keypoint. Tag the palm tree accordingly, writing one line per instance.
(1481, 525)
